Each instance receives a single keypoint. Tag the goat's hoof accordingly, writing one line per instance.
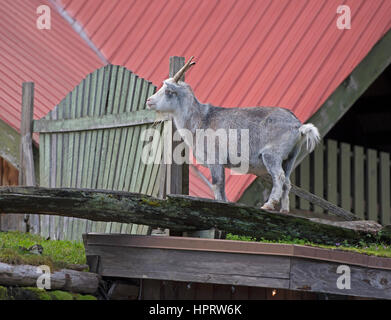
(284, 211)
(267, 207)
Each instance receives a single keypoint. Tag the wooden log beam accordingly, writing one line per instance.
(177, 212)
(65, 279)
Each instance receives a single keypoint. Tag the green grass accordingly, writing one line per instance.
(57, 254)
(380, 249)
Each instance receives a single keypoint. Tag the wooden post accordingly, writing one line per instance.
(20, 222)
(27, 170)
(178, 175)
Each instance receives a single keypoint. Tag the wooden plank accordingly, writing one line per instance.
(53, 220)
(332, 173)
(125, 91)
(66, 107)
(146, 89)
(203, 291)
(305, 182)
(316, 276)
(186, 290)
(358, 185)
(76, 230)
(385, 188)
(143, 172)
(256, 293)
(151, 289)
(319, 174)
(240, 293)
(372, 206)
(169, 290)
(183, 265)
(155, 177)
(82, 161)
(345, 176)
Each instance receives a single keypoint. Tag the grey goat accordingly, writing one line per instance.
(275, 135)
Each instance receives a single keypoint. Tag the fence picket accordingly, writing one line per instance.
(385, 190)
(332, 175)
(358, 182)
(345, 176)
(372, 184)
(318, 174)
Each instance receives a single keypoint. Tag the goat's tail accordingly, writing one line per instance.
(311, 135)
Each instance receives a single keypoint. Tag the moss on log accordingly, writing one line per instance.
(31, 293)
(178, 213)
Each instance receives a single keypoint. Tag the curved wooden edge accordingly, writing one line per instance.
(234, 246)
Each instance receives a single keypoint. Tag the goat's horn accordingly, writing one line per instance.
(186, 67)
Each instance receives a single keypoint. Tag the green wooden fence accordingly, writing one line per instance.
(351, 177)
(93, 139)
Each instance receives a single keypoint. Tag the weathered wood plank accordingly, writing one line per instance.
(385, 188)
(345, 176)
(197, 266)
(358, 189)
(178, 213)
(319, 174)
(332, 174)
(371, 185)
(321, 276)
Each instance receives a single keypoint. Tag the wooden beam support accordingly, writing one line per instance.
(347, 93)
(178, 213)
(119, 120)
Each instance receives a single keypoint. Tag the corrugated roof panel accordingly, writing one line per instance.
(56, 59)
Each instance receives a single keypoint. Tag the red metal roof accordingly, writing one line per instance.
(249, 52)
(56, 59)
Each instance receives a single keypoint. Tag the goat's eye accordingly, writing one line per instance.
(170, 93)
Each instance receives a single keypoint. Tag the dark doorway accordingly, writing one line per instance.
(368, 122)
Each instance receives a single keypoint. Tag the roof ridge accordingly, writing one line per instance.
(78, 28)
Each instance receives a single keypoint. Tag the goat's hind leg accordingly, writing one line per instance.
(288, 165)
(273, 164)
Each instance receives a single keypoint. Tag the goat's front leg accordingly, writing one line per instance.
(218, 181)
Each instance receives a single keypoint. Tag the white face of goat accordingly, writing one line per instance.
(167, 98)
